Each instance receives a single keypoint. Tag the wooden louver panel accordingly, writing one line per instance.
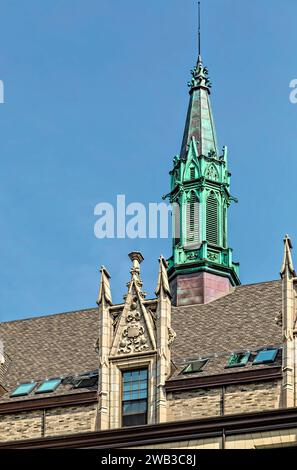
(212, 220)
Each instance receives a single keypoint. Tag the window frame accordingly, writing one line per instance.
(268, 361)
(185, 371)
(59, 381)
(122, 401)
(33, 385)
(246, 354)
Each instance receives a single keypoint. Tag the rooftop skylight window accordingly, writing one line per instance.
(238, 359)
(195, 366)
(23, 389)
(266, 356)
(48, 386)
(86, 381)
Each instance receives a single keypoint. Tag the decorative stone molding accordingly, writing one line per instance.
(133, 336)
(213, 256)
(171, 335)
(212, 173)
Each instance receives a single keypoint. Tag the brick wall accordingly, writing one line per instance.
(55, 421)
(238, 399)
(70, 420)
(24, 425)
(198, 288)
(194, 404)
(252, 397)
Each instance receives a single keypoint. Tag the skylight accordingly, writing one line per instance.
(48, 386)
(23, 389)
(194, 366)
(266, 356)
(238, 359)
(88, 380)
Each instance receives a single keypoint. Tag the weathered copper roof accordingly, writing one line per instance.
(200, 121)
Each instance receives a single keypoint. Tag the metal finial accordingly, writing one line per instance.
(199, 29)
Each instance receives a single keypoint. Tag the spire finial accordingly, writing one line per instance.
(199, 29)
(104, 290)
(287, 266)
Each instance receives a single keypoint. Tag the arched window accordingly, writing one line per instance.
(212, 219)
(192, 219)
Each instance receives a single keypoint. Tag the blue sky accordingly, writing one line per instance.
(95, 105)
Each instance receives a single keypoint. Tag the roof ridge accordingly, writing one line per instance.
(49, 315)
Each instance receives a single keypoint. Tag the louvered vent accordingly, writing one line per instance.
(192, 173)
(212, 225)
(224, 227)
(193, 220)
(176, 228)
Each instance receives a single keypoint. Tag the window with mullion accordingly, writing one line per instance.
(134, 397)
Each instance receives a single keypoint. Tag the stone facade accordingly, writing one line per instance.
(137, 335)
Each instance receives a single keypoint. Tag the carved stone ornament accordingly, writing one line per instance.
(171, 336)
(212, 173)
(212, 256)
(192, 255)
(133, 336)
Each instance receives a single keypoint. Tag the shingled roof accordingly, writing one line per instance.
(241, 320)
(63, 344)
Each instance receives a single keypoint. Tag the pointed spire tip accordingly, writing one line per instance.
(287, 265)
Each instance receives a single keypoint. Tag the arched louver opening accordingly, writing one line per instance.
(192, 219)
(212, 219)
(176, 223)
(192, 173)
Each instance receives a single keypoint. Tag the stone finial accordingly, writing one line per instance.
(136, 258)
(163, 282)
(104, 290)
(287, 268)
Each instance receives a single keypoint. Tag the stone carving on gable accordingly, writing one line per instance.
(133, 336)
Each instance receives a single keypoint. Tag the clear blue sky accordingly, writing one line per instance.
(95, 104)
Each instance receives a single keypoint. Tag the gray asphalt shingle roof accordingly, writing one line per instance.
(63, 344)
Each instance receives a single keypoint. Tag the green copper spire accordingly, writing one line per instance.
(200, 122)
(201, 267)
